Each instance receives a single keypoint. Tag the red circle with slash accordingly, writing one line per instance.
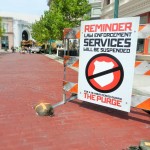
(117, 72)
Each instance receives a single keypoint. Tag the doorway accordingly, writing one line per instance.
(4, 42)
(24, 35)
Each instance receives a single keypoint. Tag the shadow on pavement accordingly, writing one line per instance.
(139, 113)
(114, 112)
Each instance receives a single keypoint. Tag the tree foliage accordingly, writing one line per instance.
(1, 27)
(39, 32)
(62, 14)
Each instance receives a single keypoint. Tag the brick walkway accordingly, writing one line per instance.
(26, 80)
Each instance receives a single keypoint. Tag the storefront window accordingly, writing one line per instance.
(143, 19)
(140, 46)
(4, 42)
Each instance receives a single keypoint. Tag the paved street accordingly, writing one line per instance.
(27, 80)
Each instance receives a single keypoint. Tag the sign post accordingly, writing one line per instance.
(107, 57)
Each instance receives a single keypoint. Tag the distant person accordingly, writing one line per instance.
(13, 49)
(29, 49)
(19, 49)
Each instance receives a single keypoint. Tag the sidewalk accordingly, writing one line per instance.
(3, 51)
(55, 57)
(59, 59)
(27, 80)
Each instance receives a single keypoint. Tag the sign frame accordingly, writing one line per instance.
(108, 43)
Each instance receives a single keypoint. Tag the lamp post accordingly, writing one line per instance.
(50, 48)
(116, 5)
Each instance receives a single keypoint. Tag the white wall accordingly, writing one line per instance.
(20, 26)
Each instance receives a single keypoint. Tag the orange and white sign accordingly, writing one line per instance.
(107, 58)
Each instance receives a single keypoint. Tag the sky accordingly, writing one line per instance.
(27, 8)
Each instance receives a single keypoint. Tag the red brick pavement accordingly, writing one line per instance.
(26, 80)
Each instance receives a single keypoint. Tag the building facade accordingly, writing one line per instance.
(15, 32)
(22, 31)
(128, 8)
(96, 6)
(131, 8)
(6, 40)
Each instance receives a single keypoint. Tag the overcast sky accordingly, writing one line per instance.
(28, 7)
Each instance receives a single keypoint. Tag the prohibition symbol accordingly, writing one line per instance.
(104, 73)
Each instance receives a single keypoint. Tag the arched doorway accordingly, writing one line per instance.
(24, 35)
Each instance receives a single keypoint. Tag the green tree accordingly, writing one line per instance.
(1, 28)
(67, 14)
(39, 32)
(62, 14)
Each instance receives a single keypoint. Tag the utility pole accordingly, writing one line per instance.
(116, 5)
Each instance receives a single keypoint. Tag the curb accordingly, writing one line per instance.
(59, 59)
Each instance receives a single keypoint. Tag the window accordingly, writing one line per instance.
(143, 19)
(4, 42)
(140, 46)
(96, 12)
(5, 27)
(107, 2)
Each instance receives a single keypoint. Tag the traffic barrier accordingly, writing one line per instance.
(71, 61)
(138, 101)
(70, 87)
(142, 67)
(144, 31)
